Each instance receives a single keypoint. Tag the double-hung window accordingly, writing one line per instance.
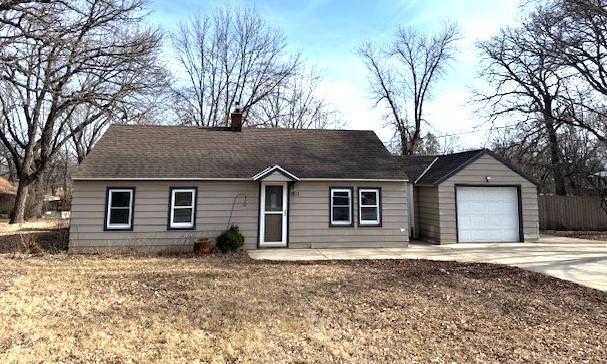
(369, 207)
(119, 208)
(182, 214)
(341, 207)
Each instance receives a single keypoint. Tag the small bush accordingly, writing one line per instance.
(230, 240)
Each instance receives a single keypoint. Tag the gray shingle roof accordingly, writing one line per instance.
(415, 165)
(446, 165)
(141, 152)
(441, 167)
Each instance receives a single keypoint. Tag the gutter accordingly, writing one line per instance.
(232, 179)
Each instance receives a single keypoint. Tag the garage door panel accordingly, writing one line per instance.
(487, 214)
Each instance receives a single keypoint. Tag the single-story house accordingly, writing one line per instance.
(160, 188)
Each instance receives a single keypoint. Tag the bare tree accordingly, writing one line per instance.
(402, 75)
(527, 84)
(227, 58)
(296, 104)
(599, 182)
(583, 156)
(429, 144)
(530, 154)
(7, 167)
(140, 107)
(6, 5)
(577, 30)
(56, 57)
(83, 140)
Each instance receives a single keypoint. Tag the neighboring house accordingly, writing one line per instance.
(159, 188)
(473, 196)
(7, 197)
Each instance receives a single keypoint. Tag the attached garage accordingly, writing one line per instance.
(471, 197)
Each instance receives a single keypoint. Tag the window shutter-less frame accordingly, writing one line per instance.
(182, 208)
(338, 194)
(119, 208)
(369, 207)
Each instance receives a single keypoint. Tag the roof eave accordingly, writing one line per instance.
(310, 179)
(274, 169)
(460, 167)
(477, 156)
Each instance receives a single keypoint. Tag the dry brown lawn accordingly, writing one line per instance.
(33, 226)
(6, 186)
(231, 309)
(599, 236)
(37, 236)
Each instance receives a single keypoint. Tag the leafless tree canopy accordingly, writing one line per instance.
(234, 57)
(528, 85)
(57, 58)
(402, 75)
(583, 157)
(546, 78)
(577, 30)
(295, 104)
(142, 106)
(431, 144)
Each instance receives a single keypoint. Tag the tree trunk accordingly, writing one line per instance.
(35, 198)
(12, 173)
(404, 150)
(555, 159)
(412, 148)
(18, 215)
(415, 137)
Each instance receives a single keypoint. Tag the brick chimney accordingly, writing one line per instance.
(236, 119)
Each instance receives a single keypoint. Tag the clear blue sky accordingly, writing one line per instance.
(328, 32)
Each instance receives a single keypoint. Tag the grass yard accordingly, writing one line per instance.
(231, 309)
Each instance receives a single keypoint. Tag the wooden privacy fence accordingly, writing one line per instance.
(571, 213)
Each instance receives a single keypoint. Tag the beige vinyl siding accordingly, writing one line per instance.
(214, 202)
(476, 173)
(309, 217)
(427, 213)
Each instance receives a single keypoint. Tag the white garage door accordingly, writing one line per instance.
(487, 214)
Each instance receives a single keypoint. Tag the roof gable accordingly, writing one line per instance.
(434, 170)
(512, 167)
(447, 165)
(274, 171)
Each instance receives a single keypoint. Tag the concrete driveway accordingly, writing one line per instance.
(580, 261)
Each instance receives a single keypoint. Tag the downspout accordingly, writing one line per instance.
(411, 211)
(413, 228)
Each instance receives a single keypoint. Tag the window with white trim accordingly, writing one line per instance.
(119, 209)
(341, 207)
(369, 207)
(183, 208)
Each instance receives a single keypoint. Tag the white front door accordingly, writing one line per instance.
(487, 214)
(273, 219)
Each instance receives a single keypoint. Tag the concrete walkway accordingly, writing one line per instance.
(580, 261)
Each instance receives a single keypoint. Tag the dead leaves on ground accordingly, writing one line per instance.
(232, 309)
